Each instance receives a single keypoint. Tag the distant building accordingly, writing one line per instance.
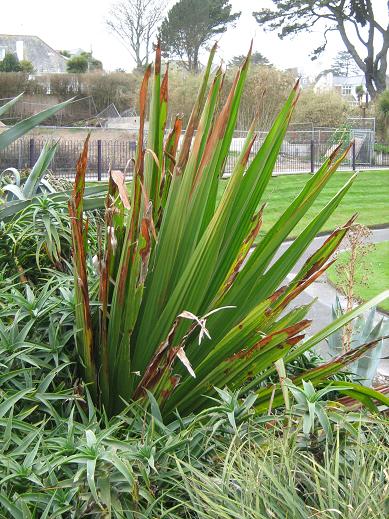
(347, 87)
(44, 58)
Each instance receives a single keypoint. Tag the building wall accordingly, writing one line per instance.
(43, 58)
(345, 86)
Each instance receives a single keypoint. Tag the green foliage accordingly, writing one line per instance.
(81, 63)
(360, 91)
(162, 274)
(77, 65)
(343, 65)
(179, 310)
(256, 59)
(17, 195)
(26, 66)
(35, 182)
(42, 227)
(10, 63)
(93, 63)
(34, 229)
(326, 109)
(268, 475)
(365, 329)
(65, 53)
(60, 458)
(310, 406)
(189, 25)
(381, 148)
(24, 126)
(383, 103)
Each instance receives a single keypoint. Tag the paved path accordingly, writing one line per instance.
(320, 312)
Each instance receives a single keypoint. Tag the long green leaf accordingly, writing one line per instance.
(46, 156)
(23, 127)
(7, 106)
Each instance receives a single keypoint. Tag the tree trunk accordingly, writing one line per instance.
(373, 67)
(375, 81)
(196, 60)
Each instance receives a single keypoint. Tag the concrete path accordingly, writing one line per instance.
(320, 312)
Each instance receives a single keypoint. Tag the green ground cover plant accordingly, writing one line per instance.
(378, 264)
(272, 477)
(59, 457)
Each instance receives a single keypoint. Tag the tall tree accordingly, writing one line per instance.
(344, 65)
(191, 24)
(93, 63)
(10, 63)
(257, 58)
(354, 20)
(77, 65)
(135, 23)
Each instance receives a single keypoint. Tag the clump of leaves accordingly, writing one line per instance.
(349, 481)
(182, 304)
(59, 457)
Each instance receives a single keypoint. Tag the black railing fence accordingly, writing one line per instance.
(300, 152)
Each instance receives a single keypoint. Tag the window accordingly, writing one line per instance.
(2, 53)
(346, 90)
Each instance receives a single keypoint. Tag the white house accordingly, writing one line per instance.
(346, 86)
(44, 58)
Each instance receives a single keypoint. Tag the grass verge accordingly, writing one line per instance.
(368, 197)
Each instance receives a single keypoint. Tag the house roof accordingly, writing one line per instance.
(349, 80)
(43, 57)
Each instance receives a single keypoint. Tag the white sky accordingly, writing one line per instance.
(75, 24)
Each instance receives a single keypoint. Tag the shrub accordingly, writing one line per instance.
(10, 63)
(174, 265)
(77, 65)
(381, 148)
(326, 109)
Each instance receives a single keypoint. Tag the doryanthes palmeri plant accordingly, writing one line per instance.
(183, 307)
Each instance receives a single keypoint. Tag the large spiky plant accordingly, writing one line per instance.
(183, 306)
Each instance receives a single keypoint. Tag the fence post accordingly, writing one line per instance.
(31, 153)
(99, 160)
(312, 156)
(20, 162)
(353, 155)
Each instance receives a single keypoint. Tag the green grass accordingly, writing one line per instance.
(378, 279)
(368, 197)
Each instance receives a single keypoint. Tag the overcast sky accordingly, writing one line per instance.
(75, 24)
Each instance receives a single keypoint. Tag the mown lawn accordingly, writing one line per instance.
(378, 275)
(368, 196)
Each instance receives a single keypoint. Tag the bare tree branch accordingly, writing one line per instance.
(135, 22)
(345, 16)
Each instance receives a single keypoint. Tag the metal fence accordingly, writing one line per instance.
(301, 151)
